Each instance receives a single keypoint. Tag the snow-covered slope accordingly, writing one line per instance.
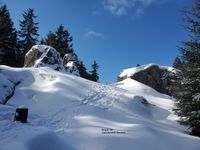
(70, 113)
(6, 88)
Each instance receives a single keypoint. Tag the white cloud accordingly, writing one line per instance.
(93, 33)
(122, 7)
(118, 7)
(139, 11)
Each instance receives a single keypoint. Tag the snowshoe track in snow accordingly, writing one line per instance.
(104, 96)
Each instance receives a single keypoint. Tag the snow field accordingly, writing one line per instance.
(68, 112)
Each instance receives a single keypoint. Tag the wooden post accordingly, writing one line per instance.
(21, 115)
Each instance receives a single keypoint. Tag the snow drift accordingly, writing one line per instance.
(68, 112)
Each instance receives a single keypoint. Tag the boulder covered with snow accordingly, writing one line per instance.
(43, 56)
(158, 77)
(7, 89)
(70, 62)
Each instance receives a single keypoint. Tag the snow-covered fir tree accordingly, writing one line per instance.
(178, 64)
(187, 95)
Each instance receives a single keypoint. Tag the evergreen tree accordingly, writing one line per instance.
(28, 33)
(42, 42)
(137, 65)
(51, 40)
(188, 102)
(64, 41)
(61, 40)
(8, 37)
(83, 71)
(178, 64)
(94, 76)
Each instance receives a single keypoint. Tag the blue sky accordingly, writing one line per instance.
(116, 33)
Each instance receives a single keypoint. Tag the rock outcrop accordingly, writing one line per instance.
(47, 56)
(158, 77)
(70, 63)
(43, 56)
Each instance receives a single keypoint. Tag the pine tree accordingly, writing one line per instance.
(42, 42)
(28, 33)
(61, 40)
(178, 64)
(137, 65)
(94, 76)
(188, 103)
(8, 37)
(51, 40)
(83, 71)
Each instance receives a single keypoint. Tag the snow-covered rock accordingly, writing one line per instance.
(68, 112)
(153, 75)
(70, 57)
(70, 62)
(44, 56)
(47, 56)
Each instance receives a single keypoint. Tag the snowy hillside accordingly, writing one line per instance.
(70, 113)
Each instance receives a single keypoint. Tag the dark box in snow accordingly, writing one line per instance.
(21, 115)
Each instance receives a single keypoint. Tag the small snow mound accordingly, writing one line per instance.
(22, 107)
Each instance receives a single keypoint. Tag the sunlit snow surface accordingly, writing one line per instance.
(70, 113)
